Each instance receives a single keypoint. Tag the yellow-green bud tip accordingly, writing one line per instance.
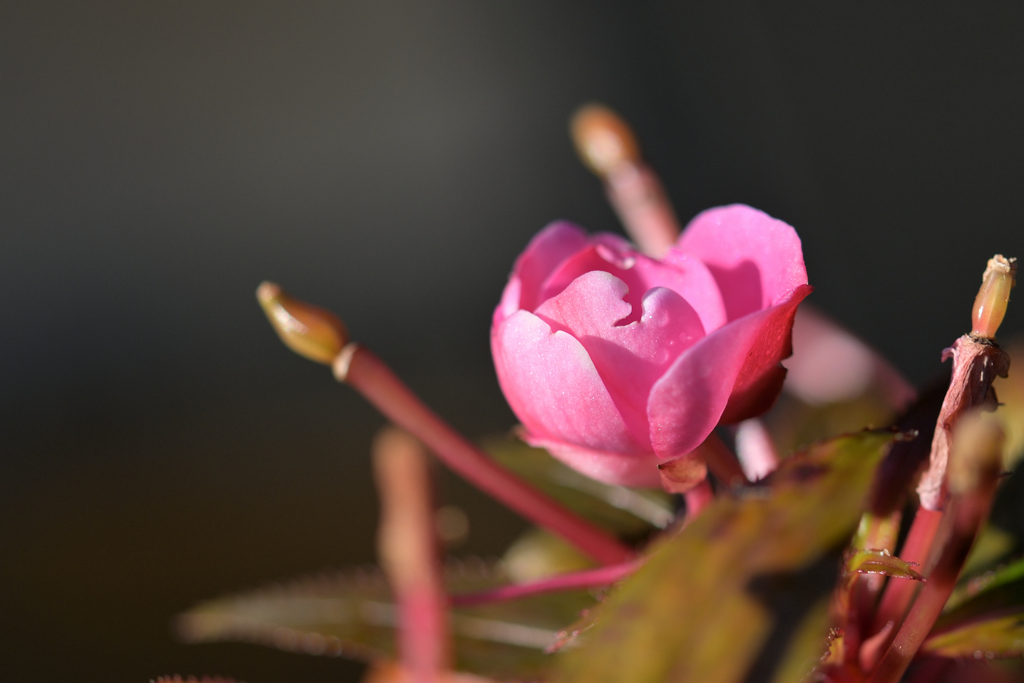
(603, 139)
(990, 304)
(308, 330)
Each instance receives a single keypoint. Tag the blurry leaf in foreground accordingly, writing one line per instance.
(391, 672)
(690, 613)
(352, 614)
(624, 511)
(990, 622)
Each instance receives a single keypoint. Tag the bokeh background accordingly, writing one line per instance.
(388, 160)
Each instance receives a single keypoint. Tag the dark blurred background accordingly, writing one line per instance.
(388, 160)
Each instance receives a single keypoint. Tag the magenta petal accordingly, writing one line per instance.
(548, 248)
(554, 388)
(622, 469)
(755, 258)
(630, 357)
(733, 371)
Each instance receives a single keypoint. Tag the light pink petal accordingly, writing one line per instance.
(548, 248)
(689, 277)
(633, 469)
(727, 376)
(553, 387)
(684, 274)
(755, 258)
(630, 357)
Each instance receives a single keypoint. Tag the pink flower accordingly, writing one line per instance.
(616, 362)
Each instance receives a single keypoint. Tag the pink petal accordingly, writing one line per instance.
(622, 469)
(554, 388)
(727, 376)
(683, 274)
(755, 258)
(548, 248)
(631, 357)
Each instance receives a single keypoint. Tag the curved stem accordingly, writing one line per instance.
(590, 578)
(721, 461)
(371, 377)
(898, 594)
(969, 513)
(639, 199)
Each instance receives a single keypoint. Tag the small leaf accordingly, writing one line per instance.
(881, 562)
(621, 510)
(708, 599)
(353, 614)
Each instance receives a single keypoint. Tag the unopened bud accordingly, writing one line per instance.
(977, 454)
(308, 330)
(603, 140)
(990, 305)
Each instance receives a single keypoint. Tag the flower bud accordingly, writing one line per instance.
(308, 330)
(990, 304)
(603, 140)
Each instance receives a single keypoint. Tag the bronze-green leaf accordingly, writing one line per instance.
(708, 600)
(989, 620)
(353, 614)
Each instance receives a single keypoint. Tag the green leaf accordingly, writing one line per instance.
(353, 614)
(881, 562)
(709, 599)
(998, 636)
(990, 620)
(624, 511)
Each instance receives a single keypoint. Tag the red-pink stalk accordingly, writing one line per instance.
(380, 386)
(607, 145)
(590, 578)
(408, 548)
(917, 548)
(698, 498)
(639, 199)
(755, 449)
(721, 461)
(972, 477)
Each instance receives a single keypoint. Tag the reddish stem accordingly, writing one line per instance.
(698, 498)
(408, 548)
(755, 449)
(643, 207)
(381, 387)
(969, 513)
(590, 578)
(917, 548)
(721, 461)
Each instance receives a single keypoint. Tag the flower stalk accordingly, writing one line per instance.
(608, 147)
(974, 474)
(408, 548)
(364, 371)
(371, 377)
